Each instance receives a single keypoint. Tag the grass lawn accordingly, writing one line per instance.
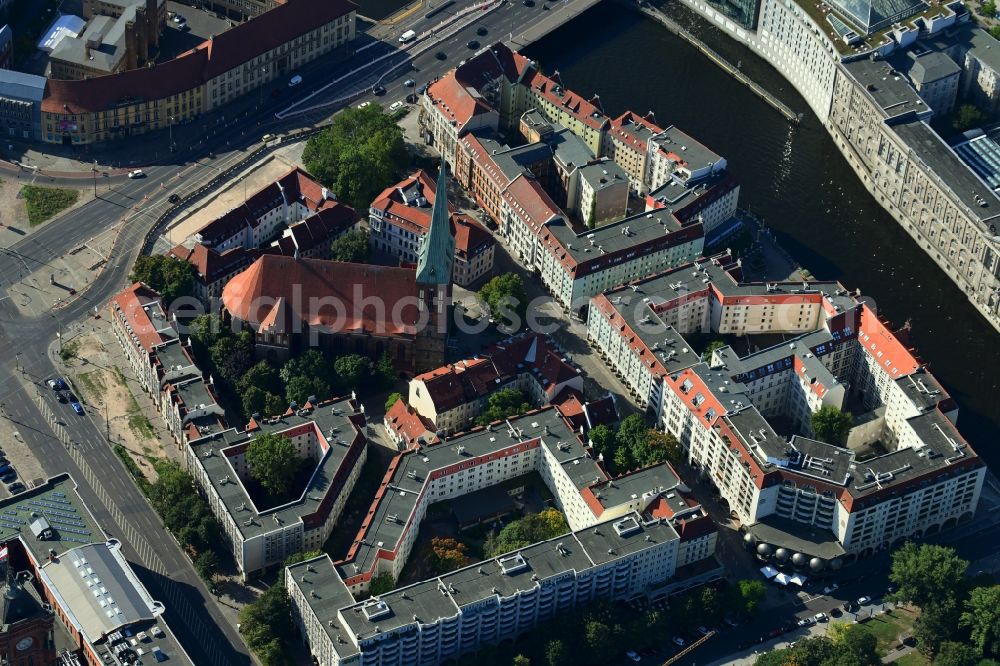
(43, 203)
(92, 385)
(887, 627)
(912, 659)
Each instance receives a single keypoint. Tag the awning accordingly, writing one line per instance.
(782, 579)
(769, 571)
(798, 579)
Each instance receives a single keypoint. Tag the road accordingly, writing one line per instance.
(64, 442)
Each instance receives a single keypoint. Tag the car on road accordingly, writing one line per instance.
(482, 31)
(441, 55)
(364, 105)
(136, 173)
(379, 90)
(397, 105)
(472, 44)
(821, 617)
(528, 3)
(678, 641)
(174, 198)
(77, 407)
(294, 81)
(633, 655)
(16, 487)
(864, 601)
(409, 83)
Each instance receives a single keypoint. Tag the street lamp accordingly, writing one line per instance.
(171, 126)
(260, 98)
(95, 179)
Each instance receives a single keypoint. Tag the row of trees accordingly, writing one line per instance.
(634, 444)
(844, 645)
(601, 633)
(187, 515)
(959, 621)
(535, 527)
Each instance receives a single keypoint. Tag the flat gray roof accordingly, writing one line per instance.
(326, 593)
(692, 151)
(68, 517)
(888, 87)
(333, 420)
(797, 537)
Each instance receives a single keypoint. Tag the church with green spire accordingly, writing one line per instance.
(434, 262)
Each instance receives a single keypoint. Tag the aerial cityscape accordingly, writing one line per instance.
(513, 332)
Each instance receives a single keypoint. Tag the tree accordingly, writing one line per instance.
(831, 425)
(449, 554)
(951, 653)
(982, 618)
(503, 404)
(295, 558)
(206, 329)
(659, 447)
(750, 593)
(855, 647)
(521, 660)
(232, 355)
(393, 398)
(710, 349)
(206, 564)
(171, 277)
(385, 369)
(926, 574)
(382, 583)
(936, 623)
(351, 370)
(265, 625)
(989, 8)
(261, 375)
(300, 388)
(556, 653)
(602, 438)
(357, 155)
(274, 404)
(506, 298)
(995, 31)
(351, 247)
(711, 604)
(272, 462)
(622, 460)
(546, 524)
(599, 641)
(309, 363)
(966, 117)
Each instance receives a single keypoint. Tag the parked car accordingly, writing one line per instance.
(441, 55)
(864, 601)
(16, 487)
(831, 588)
(411, 99)
(409, 83)
(178, 19)
(821, 617)
(528, 3)
(174, 198)
(364, 105)
(379, 90)
(678, 641)
(10, 476)
(731, 623)
(397, 105)
(136, 173)
(57, 384)
(472, 44)
(703, 630)
(806, 622)
(61, 398)
(294, 81)
(482, 31)
(77, 407)
(633, 655)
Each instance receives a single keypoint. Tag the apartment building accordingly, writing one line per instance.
(441, 618)
(399, 218)
(628, 144)
(330, 433)
(452, 396)
(840, 355)
(250, 55)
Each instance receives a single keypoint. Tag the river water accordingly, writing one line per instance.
(794, 178)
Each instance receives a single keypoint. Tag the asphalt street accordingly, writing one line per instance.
(65, 442)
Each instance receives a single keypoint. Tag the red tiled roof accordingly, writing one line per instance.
(409, 425)
(584, 110)
(470, 236)
(209, 264)
(338, 297)
(208, 60)
(132, 303)
(622, 127)
(317, 229)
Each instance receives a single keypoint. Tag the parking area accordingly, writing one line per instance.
(197, 26)
(15, 453)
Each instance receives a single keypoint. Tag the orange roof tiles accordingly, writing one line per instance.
(132, 303)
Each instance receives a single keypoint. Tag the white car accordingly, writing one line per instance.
(828, 590)
(703, 631)
(633, 655)
(820, 617)
(864, 601)
(806, 622)
(364, 105)
(679, 641)
(396, 105)
(136, 173)
(178, 18)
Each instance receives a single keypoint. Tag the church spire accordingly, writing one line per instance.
(438, 249)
